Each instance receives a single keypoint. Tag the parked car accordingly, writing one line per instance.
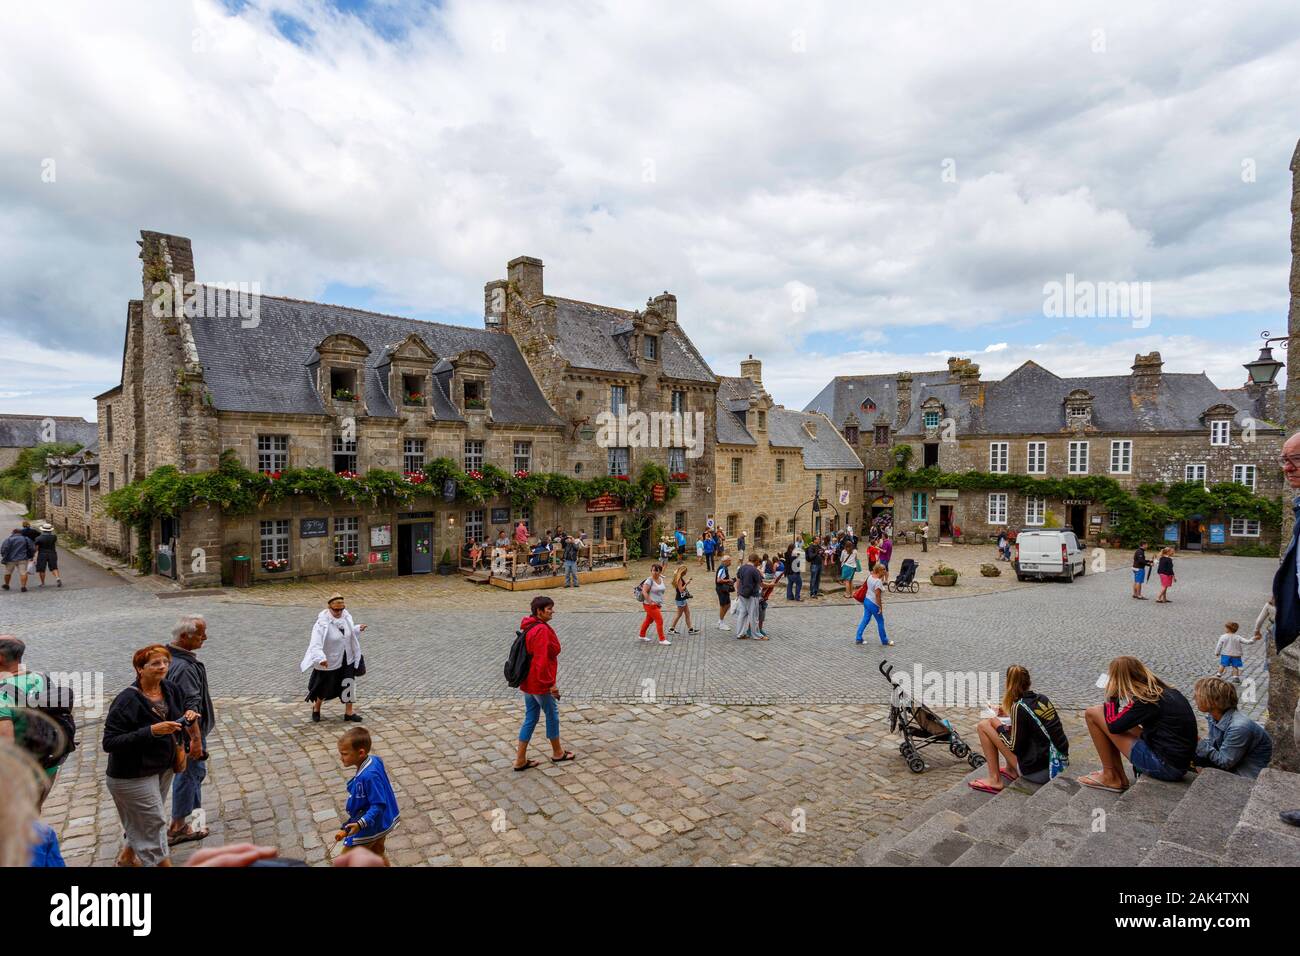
(1044, 554)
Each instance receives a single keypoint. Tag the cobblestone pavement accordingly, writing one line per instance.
(1065, 634)
(652, 785)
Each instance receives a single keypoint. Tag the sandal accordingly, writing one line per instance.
(983, 786)
(528, 765)
(1093, 780)
(186, 835)
(1007, 777)
(568, 755)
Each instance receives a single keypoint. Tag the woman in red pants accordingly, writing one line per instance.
(652, 599)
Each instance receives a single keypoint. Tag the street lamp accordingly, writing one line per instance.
(1263, 371)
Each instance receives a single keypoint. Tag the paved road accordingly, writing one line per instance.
(77, 573)
(1065, 634)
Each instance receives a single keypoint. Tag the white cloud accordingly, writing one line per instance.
(706, 153)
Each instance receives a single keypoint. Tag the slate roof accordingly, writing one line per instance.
(784, 428)
(845, 394)
(1031, 400)
(24, 431)
(595, 337)
(265, 369)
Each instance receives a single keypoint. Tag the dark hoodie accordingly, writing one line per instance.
(1028, 743)
(545, 648)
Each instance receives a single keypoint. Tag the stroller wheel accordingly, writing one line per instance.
(905, 748)
(960, 751)
(976, 760)
(915, 764)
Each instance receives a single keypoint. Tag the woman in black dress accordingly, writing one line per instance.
(334, 659)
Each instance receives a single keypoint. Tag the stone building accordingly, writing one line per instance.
(868, 410)
(18, 432)
(772, 463)
(70, 498)
(1146, 427)
(306, 384)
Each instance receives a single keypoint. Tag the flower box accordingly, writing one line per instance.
(275, 567)
(475, 474)
(943, 580)
(414, 477)
(344, 395)
(521, 473)
(348, 559)
(349, 475)
(415, 398)
(475, 404)
(680, 477)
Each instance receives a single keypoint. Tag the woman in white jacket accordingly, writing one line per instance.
(334, 659)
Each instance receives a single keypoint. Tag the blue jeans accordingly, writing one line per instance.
(545, 703)
(869, 611)
(570, 571)
(794, 586)
(1147, 761)
(187, 787)
(814, 580)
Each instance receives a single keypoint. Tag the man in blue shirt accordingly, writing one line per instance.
(710, 545)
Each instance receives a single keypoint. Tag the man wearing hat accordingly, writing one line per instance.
(47, 557)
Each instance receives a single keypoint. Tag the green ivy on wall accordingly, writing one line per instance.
(1140, 515)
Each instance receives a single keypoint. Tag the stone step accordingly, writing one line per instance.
(1123, 833)
(958, 799)
(1260, 837)
(1198, 829)
(1066, 829)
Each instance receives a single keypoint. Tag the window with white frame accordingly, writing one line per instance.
(413, 454)
(272, 453)
(1244, 475)
(679, 402)
(997, 456)
(1245, 528)
(347, 540)
(1221, 432)
(274, 540)
(1036, 458)
(676, 461)
(1078, 458)
(617, 460)
(1195, 472)
(998, 507)
(617, 397)
(345, 454)
(920, 506)
(473, 454)
(1035, 509)
(1121, 456)
(524, 513)
(474, 525)
(523, 456)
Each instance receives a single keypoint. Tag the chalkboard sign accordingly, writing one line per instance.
(500, 515)
(313, 527)
(449, 490)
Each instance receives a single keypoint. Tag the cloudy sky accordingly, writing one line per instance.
(835, 188)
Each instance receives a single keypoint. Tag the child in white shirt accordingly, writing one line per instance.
(1229, 650)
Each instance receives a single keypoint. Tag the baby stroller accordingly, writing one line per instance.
(906, 579)
(921, 727)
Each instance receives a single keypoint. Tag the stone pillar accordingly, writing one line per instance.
(1284, 669)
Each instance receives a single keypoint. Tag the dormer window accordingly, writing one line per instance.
(650, 347)
(931, 420)
(851, 434)
(474, 395)
(868, 405)
(343, 384)
(413, 390)
(1221, 432)
(1078, 409)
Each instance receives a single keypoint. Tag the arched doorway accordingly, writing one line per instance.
(760, 531)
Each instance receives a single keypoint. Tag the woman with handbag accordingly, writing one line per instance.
(682, 597)
(334, 658)
(143, 739)
(1026, 734)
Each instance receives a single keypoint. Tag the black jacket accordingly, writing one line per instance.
(1165, 565)
(133, 751)
(188, 673)
(1168, 726)
(1028, 743)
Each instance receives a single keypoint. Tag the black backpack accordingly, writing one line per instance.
(520, 660)
(51, 740)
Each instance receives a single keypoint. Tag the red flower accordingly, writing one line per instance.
(275, 476)
(621, 477)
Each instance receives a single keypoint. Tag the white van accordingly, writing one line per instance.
(1043, 554)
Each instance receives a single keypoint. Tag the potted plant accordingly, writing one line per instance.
(348, 558)
(413, 398)
(475, 403)
(990, 570)
(344, 395)
(445, 566)
(276, 565)
(943, 576)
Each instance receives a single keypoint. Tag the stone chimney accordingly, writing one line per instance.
(904, 399)
(525, 274)
(666, 305)
(1145, 380)
(964, 372)
(752, 369)
(494, 305)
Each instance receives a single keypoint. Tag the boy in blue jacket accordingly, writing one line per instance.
(372, 805)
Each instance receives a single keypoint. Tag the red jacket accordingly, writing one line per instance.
(545, 648)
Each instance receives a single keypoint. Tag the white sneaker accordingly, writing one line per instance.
(723, 626)
(643, 638)
(665, 643)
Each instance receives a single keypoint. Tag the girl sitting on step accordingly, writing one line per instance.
(1026, 734)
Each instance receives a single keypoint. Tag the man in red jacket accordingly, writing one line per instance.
(539, 688)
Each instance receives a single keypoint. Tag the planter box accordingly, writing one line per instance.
(990, 571)
(943, 580)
